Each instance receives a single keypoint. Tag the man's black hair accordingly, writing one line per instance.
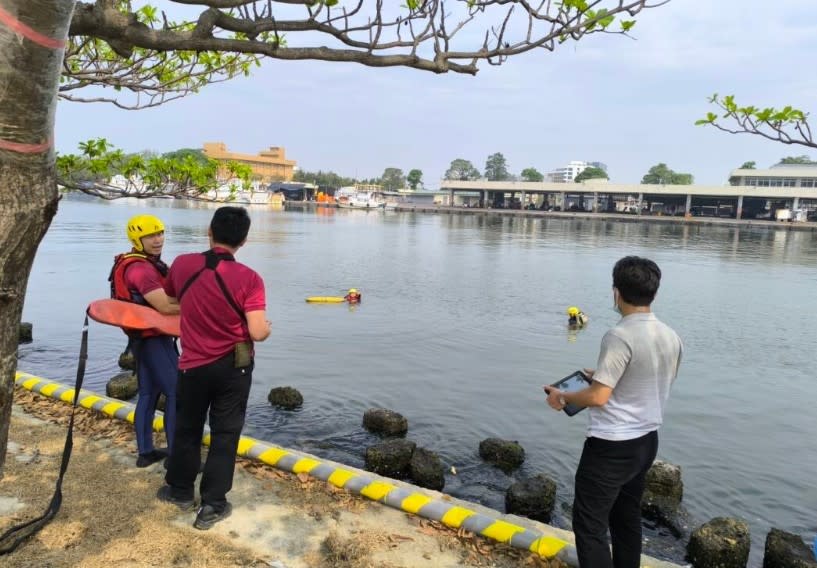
(637, 280)
(230, 225)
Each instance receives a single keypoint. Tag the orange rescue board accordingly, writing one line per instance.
(130, 316)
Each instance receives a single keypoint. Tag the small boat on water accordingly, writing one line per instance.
(395, 201)
(234, 191)
(253, 197)
(362, 200)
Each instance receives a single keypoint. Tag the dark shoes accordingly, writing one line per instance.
(150, 458)
(165, 494)
(209, 515)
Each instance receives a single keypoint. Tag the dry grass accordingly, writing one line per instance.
(110, 519)
(339, 552)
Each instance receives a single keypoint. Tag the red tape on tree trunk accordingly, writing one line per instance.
(28, 32)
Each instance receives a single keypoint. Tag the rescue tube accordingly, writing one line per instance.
(325, 299)
(130, 316)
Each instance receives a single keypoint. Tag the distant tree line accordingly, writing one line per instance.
(460, 169)
(788, 160)
(322, 178)
(392, 179)
(497, 169)
(660, 174)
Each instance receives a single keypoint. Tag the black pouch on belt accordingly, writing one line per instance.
(243, 355)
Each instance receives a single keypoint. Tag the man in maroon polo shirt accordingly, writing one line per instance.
(223, 311)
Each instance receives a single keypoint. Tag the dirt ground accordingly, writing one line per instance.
(110, 516)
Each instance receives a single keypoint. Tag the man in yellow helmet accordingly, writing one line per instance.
(576, 318)
(353, 297)
(139, 276)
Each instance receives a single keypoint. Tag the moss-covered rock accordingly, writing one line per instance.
(123, 386)
(25, 333)
(722, 542)
(384, 421)
(287, 398)
(505, 454)
(787, 550)
(390, 458)
(533, 498)
(426, 469)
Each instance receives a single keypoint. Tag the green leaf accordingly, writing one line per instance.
(580, 5)
(147, 15)
(764, 114)
(604, 19)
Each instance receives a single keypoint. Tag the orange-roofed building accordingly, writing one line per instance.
(267, 166)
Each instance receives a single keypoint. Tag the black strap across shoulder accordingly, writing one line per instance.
(211, 261)
(13, 537)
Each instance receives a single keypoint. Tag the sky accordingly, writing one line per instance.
(629, 103)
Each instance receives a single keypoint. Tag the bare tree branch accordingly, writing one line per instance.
(135, 50)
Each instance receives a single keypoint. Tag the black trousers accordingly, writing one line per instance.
(222, 391)
(609, 486)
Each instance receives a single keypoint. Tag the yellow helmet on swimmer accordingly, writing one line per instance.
(353, 290)
(142, 226)
(573, 311)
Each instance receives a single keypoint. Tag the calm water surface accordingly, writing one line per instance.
(463, 320)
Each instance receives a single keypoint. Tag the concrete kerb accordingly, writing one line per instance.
(548, 542)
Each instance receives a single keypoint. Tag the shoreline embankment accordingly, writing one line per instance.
(524, 535)
(808, 226)
(619, 217)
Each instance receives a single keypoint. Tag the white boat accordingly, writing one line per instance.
(233, 191)
(362, 200)
(253, 197)
(395, 201)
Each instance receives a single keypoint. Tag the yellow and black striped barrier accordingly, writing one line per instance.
(403, 496)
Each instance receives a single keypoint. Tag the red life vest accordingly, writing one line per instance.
(119, 286)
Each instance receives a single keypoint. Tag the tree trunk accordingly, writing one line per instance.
(30, 62)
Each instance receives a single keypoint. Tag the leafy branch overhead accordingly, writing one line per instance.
(175, 174)
(145, 56)
(787, 125)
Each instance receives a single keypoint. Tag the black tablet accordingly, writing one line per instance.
(572, 383)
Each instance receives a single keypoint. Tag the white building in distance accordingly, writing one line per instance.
(780, 175)
(568, 173)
